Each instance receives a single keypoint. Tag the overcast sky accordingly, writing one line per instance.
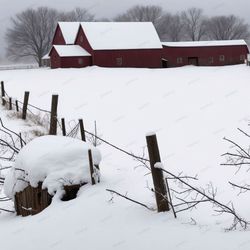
(109, 8)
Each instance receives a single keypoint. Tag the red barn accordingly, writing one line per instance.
(69, 56)
(65, 33)
(106, 44)
(204, 53)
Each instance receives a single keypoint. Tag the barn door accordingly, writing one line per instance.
(164, 63)
(193, 61)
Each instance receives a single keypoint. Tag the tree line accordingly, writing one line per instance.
(31, 31)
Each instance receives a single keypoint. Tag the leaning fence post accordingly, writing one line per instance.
(25, 104)
(53, 115)
(10, 103)
(82, 130)
(157, 174)
(91, 167)
(21, 140)
(3, 93)
(17, 107)
(63, 127)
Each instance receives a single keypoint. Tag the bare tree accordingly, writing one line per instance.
(171, 28)
(194, 24)
(227, 28)
(31, 33)
(238, 157)
(77, 15)
(140, 13)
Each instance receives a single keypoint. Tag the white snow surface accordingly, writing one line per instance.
(70, 50)
(54, 160)
(205, 43)
(191, 109)
(121, 35)
(69, 31)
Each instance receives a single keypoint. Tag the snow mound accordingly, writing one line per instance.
(54, 160)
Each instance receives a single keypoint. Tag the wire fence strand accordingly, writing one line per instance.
(75, 130)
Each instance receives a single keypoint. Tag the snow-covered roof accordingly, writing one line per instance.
(121, 35)
(205, 43)
(46, 57)
(54, 160)
(70, 50)
(69, 31)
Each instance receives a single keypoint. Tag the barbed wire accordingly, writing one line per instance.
(74, 131)
(31, 105)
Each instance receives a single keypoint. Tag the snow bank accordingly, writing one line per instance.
(54, 160)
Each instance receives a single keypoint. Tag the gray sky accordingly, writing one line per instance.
(109, 8)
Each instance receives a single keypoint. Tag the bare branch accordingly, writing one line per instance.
(127, 198)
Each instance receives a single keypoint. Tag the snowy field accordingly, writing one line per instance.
(191, 109)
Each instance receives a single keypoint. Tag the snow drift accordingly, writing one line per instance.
(54, 160)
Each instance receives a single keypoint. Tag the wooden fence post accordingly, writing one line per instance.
(63, 127)
(82, 130)
(17, 107)
(10, 103)
(53, 115)
(157, 174)
(3, 93)
(25, 104)
(21, 140)
(91, 167)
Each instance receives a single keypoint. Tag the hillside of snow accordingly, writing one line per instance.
(191, 109)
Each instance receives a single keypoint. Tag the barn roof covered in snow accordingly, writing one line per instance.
(70, 50)
(45, 57)
(69, 31)
(205, 43)
(121, 35)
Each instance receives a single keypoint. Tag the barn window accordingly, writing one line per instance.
(242, 57)
(211, 59)
(80, 61)
(222, 58)
(179, 60)
(119, 61)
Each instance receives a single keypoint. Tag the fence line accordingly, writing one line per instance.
(152, 145)
(74, 131)
(33, 106)
(15, 67)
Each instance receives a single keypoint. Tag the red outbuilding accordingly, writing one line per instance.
(106, 44)
(135, 44)
(204, 53)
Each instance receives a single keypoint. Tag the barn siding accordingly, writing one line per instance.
(55, 59)
(58, 38)
(143, 58)
(73, 62)
(232, 55)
